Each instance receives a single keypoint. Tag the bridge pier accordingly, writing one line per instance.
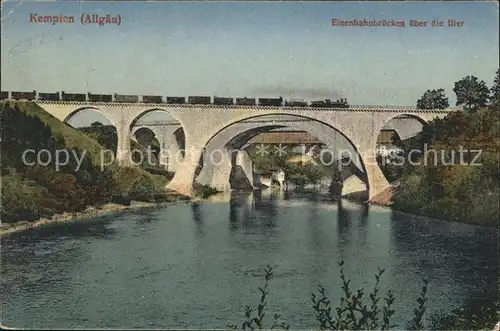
(245, 162)
(222, 170)
(218, 175)
(205, 175)
(183, 178)
(376, 179)
(123, 145)
(170, 153)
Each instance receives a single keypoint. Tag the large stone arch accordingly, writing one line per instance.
(183, 181)
(228, 141)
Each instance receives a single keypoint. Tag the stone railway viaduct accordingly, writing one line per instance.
(227, 128)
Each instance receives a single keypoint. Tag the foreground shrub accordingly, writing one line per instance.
(357, 311)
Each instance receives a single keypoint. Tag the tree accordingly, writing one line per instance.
(471, 93)
(96, 124)
(495, 89)
(433, 99)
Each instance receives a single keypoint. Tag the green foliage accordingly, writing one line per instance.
(352, 313)
(417, 322)
(107, 137)
(134, 183)
(33, 191)
(257, 322)
(456, 190)
(20, 198)
(495, 90)
(355, 311)
(471, 92)
(433, 99)
(298, 173)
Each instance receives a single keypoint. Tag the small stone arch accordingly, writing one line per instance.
(171, 137)
(420, 119)
(98, 110)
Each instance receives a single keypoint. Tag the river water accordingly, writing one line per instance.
(198, 264)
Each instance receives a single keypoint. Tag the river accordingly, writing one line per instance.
(198, 264)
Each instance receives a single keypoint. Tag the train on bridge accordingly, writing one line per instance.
(158, 99)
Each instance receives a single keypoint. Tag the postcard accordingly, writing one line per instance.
(299, 165)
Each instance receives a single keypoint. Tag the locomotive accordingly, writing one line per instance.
(327, 103)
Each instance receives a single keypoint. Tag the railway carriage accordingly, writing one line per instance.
(24, 95)
(223, 101)
(246, 101)
(296, 103)
(100, 97)
(73, 96)
(126, 98)
(275, 102)
(152, 99)
(48, 96)
(176, 100)
(198, 100)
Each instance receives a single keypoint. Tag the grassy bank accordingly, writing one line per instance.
(35, 190)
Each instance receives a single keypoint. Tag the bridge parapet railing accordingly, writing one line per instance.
(353, 108)
(382, 107)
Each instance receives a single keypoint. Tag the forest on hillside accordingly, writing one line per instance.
(441, 185)
(31, 190)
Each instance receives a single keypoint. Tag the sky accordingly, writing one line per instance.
(254, 49)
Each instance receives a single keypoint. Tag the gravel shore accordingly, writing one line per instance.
(88, 213)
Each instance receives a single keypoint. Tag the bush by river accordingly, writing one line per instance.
(370, 309)
(439, 186)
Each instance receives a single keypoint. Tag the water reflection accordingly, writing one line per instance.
(441, 252)
(198, 218)
(210, 255)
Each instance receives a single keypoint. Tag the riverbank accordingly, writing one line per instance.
(89, 213)
(385, 198)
